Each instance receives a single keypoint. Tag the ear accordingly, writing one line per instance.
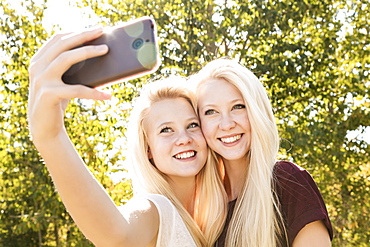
(150, 156)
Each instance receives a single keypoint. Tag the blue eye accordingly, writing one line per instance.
(165, 130)
(239, 106)
(193, 125)
(209, 112)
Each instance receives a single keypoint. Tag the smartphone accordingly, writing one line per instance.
(133, 52)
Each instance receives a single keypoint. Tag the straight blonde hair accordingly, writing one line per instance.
(256, 220)
(210, 197)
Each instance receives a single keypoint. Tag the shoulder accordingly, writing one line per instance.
(161, 202)
(283, 167)
(149, 206)
(172, 228)
(143, 221)
(292, 180)
(166, 209)
(286, 172)
(140, 210)
(139, 204)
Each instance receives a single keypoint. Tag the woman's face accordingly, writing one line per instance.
(224, 119)
(176, 142)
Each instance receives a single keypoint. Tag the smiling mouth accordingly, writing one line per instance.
(231, 139)
(185, 155)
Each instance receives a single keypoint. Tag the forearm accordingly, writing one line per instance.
(85, 199)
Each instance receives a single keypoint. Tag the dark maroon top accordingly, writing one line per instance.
(300, 200)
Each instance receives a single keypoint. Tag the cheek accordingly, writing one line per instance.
(243, 121)
(200, 140)
(207, 130)
(247, 124)
(159, 158)
(156, 148)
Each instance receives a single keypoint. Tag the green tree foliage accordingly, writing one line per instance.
(313, 57)
(31, 211)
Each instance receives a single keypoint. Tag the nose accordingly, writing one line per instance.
(183, 138)
(227, 122)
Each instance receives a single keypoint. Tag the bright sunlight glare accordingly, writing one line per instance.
(67, 16)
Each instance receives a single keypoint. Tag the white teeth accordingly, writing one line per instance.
(185, 155)
(231, 139)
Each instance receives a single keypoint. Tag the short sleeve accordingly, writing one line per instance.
(300, 199)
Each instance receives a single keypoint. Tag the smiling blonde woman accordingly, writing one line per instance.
(183, 203)
(271, 203)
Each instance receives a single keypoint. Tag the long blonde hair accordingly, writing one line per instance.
(210, 198)
(256, 220)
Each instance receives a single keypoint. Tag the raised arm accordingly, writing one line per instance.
(85, 199)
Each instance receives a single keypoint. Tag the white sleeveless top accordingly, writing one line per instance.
(172, 229)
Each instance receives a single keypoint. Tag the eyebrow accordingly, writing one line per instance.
(231, 102)
(170, 122)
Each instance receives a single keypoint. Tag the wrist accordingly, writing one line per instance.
(46, 139)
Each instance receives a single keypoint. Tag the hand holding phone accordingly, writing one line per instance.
(133, 52)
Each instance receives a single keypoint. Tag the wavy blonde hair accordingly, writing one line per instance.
(256, 220)
(210, 198)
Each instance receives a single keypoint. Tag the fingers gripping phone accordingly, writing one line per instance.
(133, 52)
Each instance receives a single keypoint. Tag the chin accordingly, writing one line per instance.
(229, 156)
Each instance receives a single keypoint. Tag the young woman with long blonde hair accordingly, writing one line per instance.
(183, 203)
(272, 203)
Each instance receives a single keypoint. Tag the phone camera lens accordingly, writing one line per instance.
(137, 43)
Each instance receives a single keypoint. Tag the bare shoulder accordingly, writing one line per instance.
(140, 210)
(139, 205)
(143, 219)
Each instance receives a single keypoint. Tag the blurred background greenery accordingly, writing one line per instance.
(313, 57)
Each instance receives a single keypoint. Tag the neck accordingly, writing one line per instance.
(235, 175)
(184, 190)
